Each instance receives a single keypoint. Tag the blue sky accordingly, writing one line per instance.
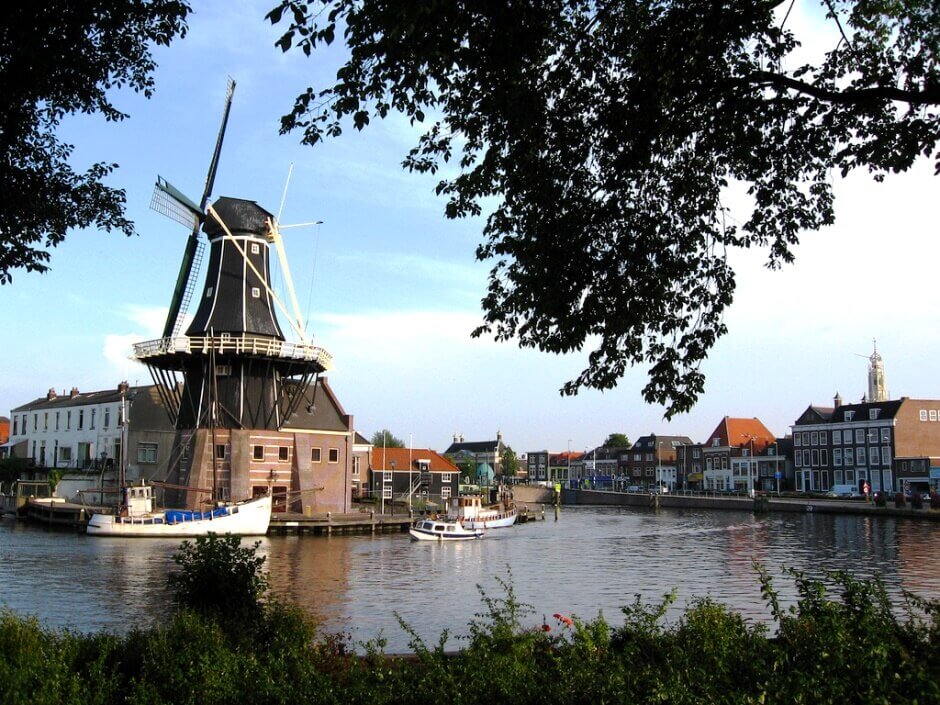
(392, 290)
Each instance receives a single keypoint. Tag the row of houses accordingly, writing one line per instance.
(890, 444)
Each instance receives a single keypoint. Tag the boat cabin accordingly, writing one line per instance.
(138, 499)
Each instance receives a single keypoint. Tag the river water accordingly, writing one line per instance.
(582, 561)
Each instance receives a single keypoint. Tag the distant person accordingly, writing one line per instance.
(866, 489)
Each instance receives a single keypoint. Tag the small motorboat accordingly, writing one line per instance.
(442, 530)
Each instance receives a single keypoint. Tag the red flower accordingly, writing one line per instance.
(557, 615)
(546, 628)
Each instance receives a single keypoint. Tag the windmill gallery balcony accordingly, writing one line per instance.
(164, 349)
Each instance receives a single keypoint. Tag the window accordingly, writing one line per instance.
(81, 419)
(16, 425)
(823, 437)
(68, 421)
(849, 415)
(45, 421)
(798, 459)
(147, 453)
(873, 414)
(255, 292)
(860, 455)
(283, 453)
(107, 418)
(837, 438)
(837, 456)
(355, 465)
(796, 439)
(257, 452)
(923, 414)
(885, 455)
(806, 458)
(36, 422)
(387, 492)
(649, 472)
(814, 438)
(92, 418)
(445, 492)
(815, 457)
(315, 455)
(885, 435)
(933, 414)
(446, 477)
(386, 476)
(57, 421)
(849, 456)
(209, 291)
(859, 435)
(805, 438)
(65, 454)
(874, 455)
(220, 451)
(255, 248)
(334, 455)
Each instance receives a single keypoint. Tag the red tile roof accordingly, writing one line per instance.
(740, 432)
(383, 459)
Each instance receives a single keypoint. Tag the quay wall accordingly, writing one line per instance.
(758, 504)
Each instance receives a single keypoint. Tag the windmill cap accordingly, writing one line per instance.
(239, 216)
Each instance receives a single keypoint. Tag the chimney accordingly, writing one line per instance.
(73, 393)
(50, 395)
(123, 386)
(837, 400)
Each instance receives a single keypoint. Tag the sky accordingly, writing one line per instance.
(391, 288)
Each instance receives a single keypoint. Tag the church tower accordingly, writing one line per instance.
(877, 389)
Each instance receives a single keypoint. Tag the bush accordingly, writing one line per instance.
(222, 580)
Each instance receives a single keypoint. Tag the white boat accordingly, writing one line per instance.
(442, 530)
(137, 519)
(469, 511)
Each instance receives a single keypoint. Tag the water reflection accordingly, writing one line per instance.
(590, 560)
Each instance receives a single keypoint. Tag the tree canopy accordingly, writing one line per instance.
(608, 135)
(59, 58)
(386, 439)
(617, 440)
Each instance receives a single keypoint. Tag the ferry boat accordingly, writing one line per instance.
(442, 530)
(138, 519)
(469, 511)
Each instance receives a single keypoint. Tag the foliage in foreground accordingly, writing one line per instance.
(843, 642)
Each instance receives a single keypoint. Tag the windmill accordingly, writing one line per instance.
(233, 368)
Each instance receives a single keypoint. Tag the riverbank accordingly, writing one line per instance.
(759, 504)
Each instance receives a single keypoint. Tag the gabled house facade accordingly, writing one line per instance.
(403, 474)
(733, 458)
(892, 444)
(652, 461)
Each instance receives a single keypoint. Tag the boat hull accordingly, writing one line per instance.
(489, 519)
(250, 518)
(443, 531)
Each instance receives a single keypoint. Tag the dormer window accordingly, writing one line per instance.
(873, 414)
(849, 415)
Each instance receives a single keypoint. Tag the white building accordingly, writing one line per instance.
(83, 430)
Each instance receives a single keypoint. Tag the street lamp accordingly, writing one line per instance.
(659, 465)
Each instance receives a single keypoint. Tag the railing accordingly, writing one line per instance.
(241, 344)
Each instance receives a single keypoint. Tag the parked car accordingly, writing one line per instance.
(635, 488)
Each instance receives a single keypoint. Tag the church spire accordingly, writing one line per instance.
(877, 389)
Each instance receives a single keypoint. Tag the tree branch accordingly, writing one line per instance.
(928, 96)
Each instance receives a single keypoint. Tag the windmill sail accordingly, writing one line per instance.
(174, 204)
